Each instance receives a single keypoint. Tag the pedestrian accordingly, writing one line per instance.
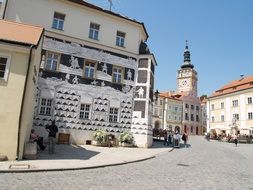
(36, 138)
(169, 138)
(184, 138)
(235, 139)
(165, 136)
(52, 130)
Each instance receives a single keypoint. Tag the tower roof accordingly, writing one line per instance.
(187, 57)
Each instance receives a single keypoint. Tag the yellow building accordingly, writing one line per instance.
(20, 49)
(231, 107)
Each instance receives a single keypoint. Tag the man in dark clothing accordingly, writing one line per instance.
(52, 130)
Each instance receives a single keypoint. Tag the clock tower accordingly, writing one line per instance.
(187, 77)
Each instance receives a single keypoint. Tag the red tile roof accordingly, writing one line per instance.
(170, 95)
(20, 33)
(234, 86)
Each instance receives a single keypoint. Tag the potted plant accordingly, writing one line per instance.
(126, 139)
(99, 137)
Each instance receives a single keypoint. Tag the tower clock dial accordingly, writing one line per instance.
(184, 83)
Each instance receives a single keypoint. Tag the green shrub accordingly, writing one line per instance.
(126, 137)
(99, 135)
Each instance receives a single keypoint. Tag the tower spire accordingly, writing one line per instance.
(187, 57)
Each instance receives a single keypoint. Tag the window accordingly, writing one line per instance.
(222, 118)
(113, 115)
(186, 106)
(192, 107)
(249, 100)
(236, 116)
(85, 111)
(250, 115)
(120, 39)
(186, 116)
(161, 102)
(197, 118)
(94, 30)
(89, 70)
(58, 21)
(117, 75)
(197, 108)
(161, 112)
(175, 117)
(4, 66)
(176, 108)
(45, 106)
(51, 61)
(192, 117)
(191, 129)
(222, 105)
(212, 106)
(156, 111)
(212, 118)
(235, 103)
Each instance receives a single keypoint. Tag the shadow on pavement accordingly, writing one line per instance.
(67, 152)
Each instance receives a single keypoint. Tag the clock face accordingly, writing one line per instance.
(184, 83)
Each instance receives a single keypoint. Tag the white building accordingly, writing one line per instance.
(231, 106)
(96, 70)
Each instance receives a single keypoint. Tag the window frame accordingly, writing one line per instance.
(235, 103)
(222, 118)
(93, 31)
(120, 39)
(45, 106)
(122, 74)
(113, 115)
(250, 115)
(58, 20)
(235, 116)
(222, 105)
(7, 66)
(84, 111)
(95, 69)
(57, 64)
(249, 100)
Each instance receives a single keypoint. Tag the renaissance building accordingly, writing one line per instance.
(96, 71)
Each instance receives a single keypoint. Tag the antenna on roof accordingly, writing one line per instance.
(241, 76)
(110, 1)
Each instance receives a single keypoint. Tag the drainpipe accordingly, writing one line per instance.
(5, 7)
(23, 98)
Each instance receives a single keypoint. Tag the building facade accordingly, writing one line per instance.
(231, 107)
(20, 53)
(96, 70)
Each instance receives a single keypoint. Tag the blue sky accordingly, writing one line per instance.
(220, 35)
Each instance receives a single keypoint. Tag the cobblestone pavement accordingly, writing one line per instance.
(204, 165)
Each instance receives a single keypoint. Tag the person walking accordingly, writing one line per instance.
(185, 138)
(52, 130)
(236, 139)
(165, 135)
(170, 138)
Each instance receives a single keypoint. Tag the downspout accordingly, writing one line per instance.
(5, 7)
(23, 98)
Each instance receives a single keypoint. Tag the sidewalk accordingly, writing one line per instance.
(72, 157)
